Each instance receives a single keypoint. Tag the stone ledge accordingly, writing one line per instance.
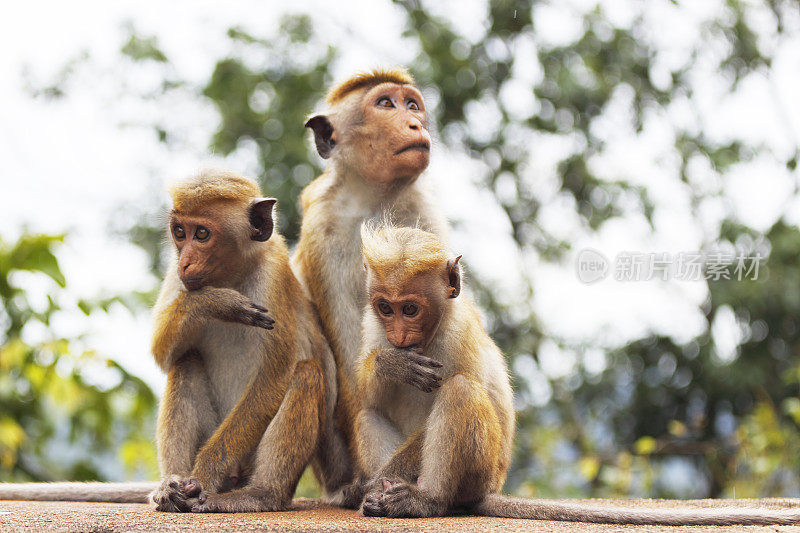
(311, 515)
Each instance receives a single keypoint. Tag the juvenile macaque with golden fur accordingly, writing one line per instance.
(437, 442)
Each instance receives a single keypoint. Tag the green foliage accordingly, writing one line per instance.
(140, 49)
(57, 397)
(268, 105)
(734, 422)
(656, 417)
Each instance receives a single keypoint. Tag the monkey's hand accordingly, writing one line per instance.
(232, 306)
(176, 494)
(408, 366)
(350, 496)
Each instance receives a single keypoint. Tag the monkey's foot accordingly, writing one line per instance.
(246, 500)
(176, 494)
(400, 500)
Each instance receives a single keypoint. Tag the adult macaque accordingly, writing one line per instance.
(436, 442)
(245, 408)
(375, 138)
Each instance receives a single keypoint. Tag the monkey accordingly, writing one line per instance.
(375, 137)
(439, 441)
(249, 400)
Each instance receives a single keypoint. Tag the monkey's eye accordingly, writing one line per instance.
(178, 232)
(385, 308)
(412, 105)
(410, 309)
(202, 233)
(384, 101)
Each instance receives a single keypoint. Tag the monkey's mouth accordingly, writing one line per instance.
(192, 284)
(421, 146)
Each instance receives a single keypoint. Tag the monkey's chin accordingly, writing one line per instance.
(416, 161)
(192, 284)
(414, 158)
(407, 171)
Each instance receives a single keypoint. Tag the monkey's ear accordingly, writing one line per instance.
(261, 218)
(454, 277)
(323, 135)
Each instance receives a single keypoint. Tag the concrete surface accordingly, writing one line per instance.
(310, 515)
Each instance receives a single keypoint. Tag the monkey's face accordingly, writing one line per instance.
(393, 141)
(411, 313)
(202, 249)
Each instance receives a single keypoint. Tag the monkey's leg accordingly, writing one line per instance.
(186, 418)
(376, 440)
(383, 454)
(332, 464)
(240, 431)
(284, 451)
(460, 454)
(333, 461)
(406, 461)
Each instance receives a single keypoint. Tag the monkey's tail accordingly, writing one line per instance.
(130, 492)
(510, 507)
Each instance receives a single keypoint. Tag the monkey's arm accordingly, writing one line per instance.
(406, 459)
(367, 379)
(241, 430)
(404, 464)
(186, 418)
(284, 450)
(181, 319)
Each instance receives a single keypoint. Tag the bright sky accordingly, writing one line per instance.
(68, 166)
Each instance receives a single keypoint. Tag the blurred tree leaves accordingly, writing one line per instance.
(655, 398)
(656, 406)
(63, 409)
(140, 49)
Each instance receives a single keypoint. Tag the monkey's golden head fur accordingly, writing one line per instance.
(207, 186)
(396, 254)
(363, 80)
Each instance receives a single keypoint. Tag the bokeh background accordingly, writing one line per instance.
(617, 125)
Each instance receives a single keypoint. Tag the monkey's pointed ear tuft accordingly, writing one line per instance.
(323, 135)
(261, 218)
(454, 277)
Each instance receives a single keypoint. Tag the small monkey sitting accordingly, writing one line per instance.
(437, 421)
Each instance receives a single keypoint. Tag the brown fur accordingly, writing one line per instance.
(202, 189)
(465, 424)
(367, 80)
(431, 453)
(396, 255)
(365, 180)
(258, 436)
